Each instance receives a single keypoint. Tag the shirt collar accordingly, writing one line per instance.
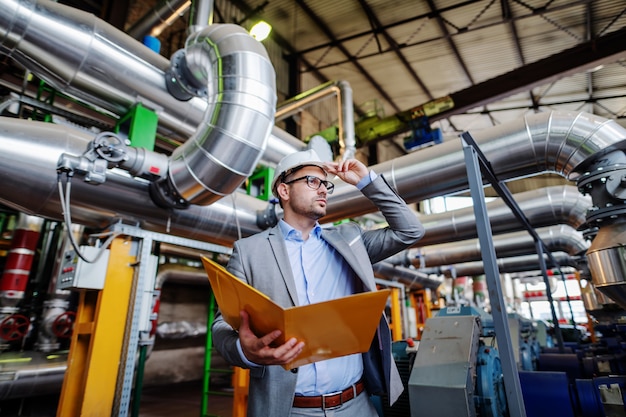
(291, 233)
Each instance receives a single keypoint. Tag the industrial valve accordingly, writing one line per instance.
(107, 150)
(64, 324)
(14, 327)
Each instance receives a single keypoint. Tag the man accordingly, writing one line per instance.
(298, 262)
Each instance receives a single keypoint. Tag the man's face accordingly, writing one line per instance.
(301, 198)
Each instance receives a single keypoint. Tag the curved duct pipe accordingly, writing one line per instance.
(241, 92)
(556, 238)
(556, 142)
(158, 18)
(513, 264)
(411, 278)
(36, 35)
(542, 207)
(345, 117)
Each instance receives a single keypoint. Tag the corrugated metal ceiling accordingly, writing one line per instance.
(405, 53)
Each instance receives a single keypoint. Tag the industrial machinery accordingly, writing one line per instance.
(457, 371)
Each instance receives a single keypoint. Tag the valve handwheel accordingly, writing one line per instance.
(63, 324)
(14, 327)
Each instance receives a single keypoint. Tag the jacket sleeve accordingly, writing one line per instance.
(404, 228)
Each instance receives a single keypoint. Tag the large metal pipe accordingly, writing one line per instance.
(513, 264)
(104, 67)
(557, 142)
(542, 207)
(556, 238)
(411, 278)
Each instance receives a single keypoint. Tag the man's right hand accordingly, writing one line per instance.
(258, 350)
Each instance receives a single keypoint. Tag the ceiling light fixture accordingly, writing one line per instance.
(260, 30)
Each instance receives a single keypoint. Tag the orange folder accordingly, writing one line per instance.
(329, 329)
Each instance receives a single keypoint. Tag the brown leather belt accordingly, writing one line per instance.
(334, 399)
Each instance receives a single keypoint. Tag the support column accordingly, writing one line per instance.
(97, 342)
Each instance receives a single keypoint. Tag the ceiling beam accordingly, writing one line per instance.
(394, 45)
(451, 44)
(330, 35)
(585, 56)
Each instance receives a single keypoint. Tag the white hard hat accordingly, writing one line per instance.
(294, 162)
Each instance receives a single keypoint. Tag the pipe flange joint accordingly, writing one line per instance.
(599, 176)
(605, 215)
(179, 80)
(164, 195)
(267, 218)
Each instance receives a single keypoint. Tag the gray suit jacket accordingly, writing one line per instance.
(261, 260)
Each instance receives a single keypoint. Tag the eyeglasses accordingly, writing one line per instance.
(315, 183)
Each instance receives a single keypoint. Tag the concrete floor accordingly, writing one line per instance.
(177, 400)
(183, 400)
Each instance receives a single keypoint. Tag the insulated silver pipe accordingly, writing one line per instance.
(542, 207)
(104, 67)
(556, 142)
(512, 264)
(556, 238)
(411, 278)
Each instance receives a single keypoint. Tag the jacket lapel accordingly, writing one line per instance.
(276, 242)
(345, 249)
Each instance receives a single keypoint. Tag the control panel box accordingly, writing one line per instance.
(75, 273)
